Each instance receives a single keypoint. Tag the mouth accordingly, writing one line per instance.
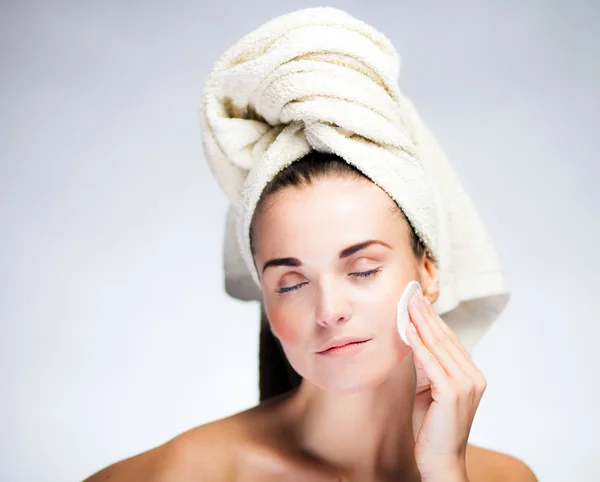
(344, 347)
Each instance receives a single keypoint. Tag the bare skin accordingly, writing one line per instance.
(351, 419)
(252, 446)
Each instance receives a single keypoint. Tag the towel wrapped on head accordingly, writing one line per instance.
(320, 79)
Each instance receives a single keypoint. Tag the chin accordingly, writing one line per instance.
(352, 385)
(355, 378)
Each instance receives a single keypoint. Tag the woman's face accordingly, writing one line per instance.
(317, 293)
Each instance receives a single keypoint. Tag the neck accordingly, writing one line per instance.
(367, 434)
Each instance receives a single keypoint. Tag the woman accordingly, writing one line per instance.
(343, 397)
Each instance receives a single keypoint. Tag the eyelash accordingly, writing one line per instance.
(361, 274)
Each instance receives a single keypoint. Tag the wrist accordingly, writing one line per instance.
(445, 477)
(454, 473)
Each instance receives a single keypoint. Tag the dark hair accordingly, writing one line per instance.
(276, 375)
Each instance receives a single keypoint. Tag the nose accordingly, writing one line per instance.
(332, 306)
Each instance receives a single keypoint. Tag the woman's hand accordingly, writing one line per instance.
(448, 390)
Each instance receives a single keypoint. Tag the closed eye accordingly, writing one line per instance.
(359, 274)
(366, 274)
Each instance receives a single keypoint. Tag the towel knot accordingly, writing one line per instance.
(314, 75)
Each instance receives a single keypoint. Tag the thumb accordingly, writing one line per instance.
(423, 382)
(420, 408)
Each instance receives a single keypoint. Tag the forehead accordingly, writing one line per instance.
(330, 213)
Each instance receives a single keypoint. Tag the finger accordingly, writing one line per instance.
(431, 338)
(450, 341)
(445, 388)
(436, 341)
(445, 328)
(434, 371)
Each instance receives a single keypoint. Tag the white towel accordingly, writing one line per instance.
(320, 79)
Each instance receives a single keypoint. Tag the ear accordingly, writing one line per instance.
(429, 279)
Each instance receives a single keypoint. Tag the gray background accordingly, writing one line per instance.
(115, 331)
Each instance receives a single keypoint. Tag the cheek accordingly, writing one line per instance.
(391, 296)
(383, 306)
(284, 326)
(382, 310)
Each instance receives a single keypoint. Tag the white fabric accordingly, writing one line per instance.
(402, 315)
(320, 79)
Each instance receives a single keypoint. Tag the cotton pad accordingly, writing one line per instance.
(402, 317)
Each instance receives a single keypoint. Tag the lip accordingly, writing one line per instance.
(340, 342)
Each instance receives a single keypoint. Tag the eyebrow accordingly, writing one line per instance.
(344, 253)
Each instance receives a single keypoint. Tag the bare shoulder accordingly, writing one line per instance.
(248, 445)
(203, 453)
(492, 466)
